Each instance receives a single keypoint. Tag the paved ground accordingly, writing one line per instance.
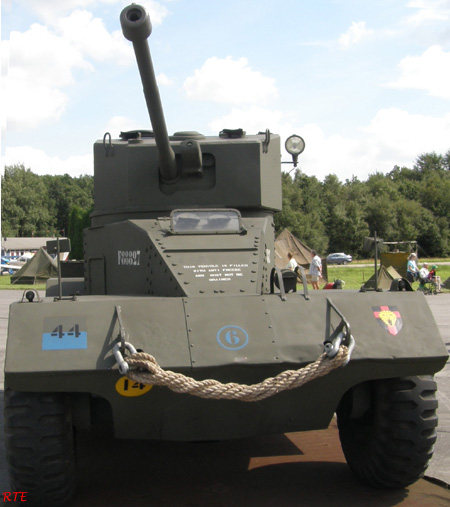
(292, 469)
(439, 468)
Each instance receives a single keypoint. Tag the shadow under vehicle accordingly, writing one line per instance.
(179, 264)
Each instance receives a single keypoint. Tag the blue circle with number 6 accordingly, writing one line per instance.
(232, 337)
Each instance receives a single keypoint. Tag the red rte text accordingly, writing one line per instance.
(14, 496)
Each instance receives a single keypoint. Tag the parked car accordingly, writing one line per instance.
(339, 258)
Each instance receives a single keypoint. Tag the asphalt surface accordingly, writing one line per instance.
(294, 469)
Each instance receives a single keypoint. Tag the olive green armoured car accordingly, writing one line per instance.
(181, 327)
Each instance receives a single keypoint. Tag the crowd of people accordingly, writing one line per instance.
(423, 275)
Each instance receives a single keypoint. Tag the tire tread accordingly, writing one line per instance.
(39, 447)
(391, 448)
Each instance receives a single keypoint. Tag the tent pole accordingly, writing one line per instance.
(376, 268)
(59, 268)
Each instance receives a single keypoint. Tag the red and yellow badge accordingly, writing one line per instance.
(389, 318)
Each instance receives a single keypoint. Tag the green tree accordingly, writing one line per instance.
(432, 235)
(25, 203)
(303, 211)
(435, 194)
(333, 192)
(408, 182)
(79, 219)
(66, 192)
(347, 228)
(409, 216)
(345, 222)
(446, 162)
(430, 162)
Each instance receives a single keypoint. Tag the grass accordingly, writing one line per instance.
(5, 284)
(430, 260)
(354, 277)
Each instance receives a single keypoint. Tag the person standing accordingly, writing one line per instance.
(292, 264)
(315, 270)
(412, 271)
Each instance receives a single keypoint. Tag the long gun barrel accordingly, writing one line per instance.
(136, 27)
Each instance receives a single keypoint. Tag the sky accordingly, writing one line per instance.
(366, 84)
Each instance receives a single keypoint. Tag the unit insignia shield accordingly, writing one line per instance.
(389, 318)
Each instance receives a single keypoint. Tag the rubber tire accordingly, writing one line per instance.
(40, 447)
(390, 445)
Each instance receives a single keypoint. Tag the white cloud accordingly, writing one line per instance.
(334, 153)
(118, 124)
(43, 61)
(40, 65)
(429, 71)
(253, 120)
(429, 10)
(156, 10)
(4, 54)
(28, 107)
(163, 80)
(393, 137)
(41, 163)
(40, 55)
(230, 81)
(89, 38)
(355, 34)
(50, 11)
(323, 154)
(406, 135)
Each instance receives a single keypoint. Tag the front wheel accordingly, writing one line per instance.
(389, 442)
(39, 446)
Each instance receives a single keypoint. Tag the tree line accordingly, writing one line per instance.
(329, 216)
(46, 206)
(403, 205)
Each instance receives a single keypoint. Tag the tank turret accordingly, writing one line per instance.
(181, 214)
(136, 27)
(148, 173)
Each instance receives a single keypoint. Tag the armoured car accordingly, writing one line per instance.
(181, 327)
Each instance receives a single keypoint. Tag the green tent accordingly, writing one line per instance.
(398, 260)
(40, 267)
(286, 242)
(385, 278)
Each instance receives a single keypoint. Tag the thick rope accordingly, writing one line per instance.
(213, 389)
